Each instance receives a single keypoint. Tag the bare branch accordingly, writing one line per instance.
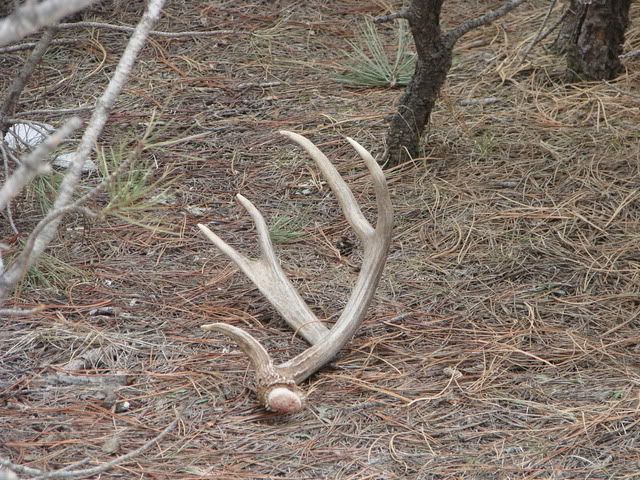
(555, 25)
(120, 28)
(57, 111)
(631, 54)
(453, 35)
(29, 45)
(7, 174)
(478, 101)
(88, 472)
(19, 312)
(33, 16)
(8, 107)
(400, 14)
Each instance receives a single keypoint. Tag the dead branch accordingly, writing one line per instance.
(400, 14)
(10, 102)
(29, 45)
(453, 35)
(540, 34)
(631, 54)
(88, 472)
(18, 312)
(57, 111)
(21, 264)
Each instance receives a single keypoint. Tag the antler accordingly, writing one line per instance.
(277, 384)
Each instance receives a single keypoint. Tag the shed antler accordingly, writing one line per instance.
(277, 384)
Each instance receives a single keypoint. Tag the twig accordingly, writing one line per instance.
(539, 36)
(8, 107)
(403, 14)
(9, 213)
(479, 101)
(65, 379)
(18, 312)
(29, 45)
(58, 111)
(33, 16)
(126, 28)
(88, 472)
(619, 90)
(5, 163)
(453, 35)
(631, 54)
(555, 25)
(20, 265)
(242, 86)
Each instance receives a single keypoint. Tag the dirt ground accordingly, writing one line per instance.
(504, 338)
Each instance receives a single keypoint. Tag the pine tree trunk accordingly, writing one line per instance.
(594, 37)
(432, 66)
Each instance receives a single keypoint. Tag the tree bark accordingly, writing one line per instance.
(432, 66)
(593, 38)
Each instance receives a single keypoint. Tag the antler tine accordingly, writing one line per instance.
(258, 355)
(376, 244)
(383, 199)
(264, 239)
(272, 282)
(225, 248)
(338, 186)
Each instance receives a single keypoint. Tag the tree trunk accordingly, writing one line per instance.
(594, 37)
(432, 66)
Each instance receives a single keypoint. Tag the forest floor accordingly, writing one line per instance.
(504, 339)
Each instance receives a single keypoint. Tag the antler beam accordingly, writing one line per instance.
(277, 384)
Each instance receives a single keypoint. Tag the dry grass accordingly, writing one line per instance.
(505, 340)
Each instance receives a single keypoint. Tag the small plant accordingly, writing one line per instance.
(285, 230)
(370, 65)
(137, 191)
(43, 191)
(485, 144)
(51, 273)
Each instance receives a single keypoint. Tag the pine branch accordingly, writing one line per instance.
(453, 35)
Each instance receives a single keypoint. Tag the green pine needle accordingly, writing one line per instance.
(370, 64)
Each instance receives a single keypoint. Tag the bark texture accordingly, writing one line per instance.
(593, 38)
(432, 65)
